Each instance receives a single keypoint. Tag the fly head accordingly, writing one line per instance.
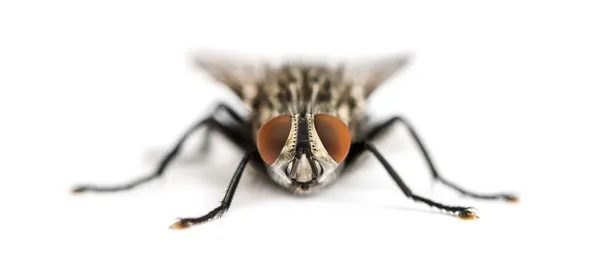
(305, 151)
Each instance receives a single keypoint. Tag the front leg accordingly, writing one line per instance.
(378, 129)
(227, 199)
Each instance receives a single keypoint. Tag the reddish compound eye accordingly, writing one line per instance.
(271, 137)
(334, 135)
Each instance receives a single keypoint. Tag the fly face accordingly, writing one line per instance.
(305, 151)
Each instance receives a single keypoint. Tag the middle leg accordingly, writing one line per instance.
(233, 134)
(239, 122)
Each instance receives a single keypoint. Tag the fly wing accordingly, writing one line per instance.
(367, 76)
(241, 75)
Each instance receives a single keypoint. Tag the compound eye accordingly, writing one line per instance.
(334, 135)
(272, 136)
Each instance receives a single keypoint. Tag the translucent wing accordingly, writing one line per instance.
(243, 75)
(368, 75)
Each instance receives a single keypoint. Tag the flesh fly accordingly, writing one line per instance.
(307, 124)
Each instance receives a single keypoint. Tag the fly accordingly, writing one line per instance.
(307, 124)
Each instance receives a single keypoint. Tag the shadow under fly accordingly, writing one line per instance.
(306, 124)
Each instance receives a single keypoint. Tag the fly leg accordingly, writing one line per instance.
(225, 202)
(378, 129)
(240, 122)
(234, 134)
(465, 213)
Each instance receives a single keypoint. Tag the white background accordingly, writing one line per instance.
(505, 95)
